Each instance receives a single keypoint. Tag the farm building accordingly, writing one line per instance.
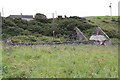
(100, 37)
(24, 17)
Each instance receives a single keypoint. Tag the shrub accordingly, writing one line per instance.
(112, 33)
(105, 21)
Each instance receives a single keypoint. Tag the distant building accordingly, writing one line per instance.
(24, 17)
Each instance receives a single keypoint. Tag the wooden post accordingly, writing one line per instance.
(53, 26)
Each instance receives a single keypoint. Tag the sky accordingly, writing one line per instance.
(79, 8)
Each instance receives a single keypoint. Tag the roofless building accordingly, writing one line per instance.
(80, 35)
(100, 37)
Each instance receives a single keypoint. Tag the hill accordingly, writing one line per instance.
(106, 24)
(58, 61)
(63, 28)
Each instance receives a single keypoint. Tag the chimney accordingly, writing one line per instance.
(21, 15)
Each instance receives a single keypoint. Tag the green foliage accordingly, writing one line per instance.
(1, 68)
(62, 27)
(41, 18)
(102, 17)
(32, 39)
(67, 26)
(105, 21)
(109, 26)
(89, 32)
(113, 34)
(78, 18)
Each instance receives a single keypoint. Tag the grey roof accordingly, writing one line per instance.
(27, 16)
(21, 16)
(15, 16)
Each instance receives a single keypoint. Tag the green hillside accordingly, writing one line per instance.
(58, 61)
(102, 17)
(63, 28)
(104, 22)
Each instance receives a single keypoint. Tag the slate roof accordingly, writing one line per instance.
(21, 16)
(15, 16)
(27, 16)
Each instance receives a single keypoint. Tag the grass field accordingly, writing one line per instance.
(60, 61)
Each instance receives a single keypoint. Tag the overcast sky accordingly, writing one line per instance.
(59, 7)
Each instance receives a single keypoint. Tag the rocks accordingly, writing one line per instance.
(61, 43)
(100, 37)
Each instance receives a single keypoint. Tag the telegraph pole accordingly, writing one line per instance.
(110, 11)
(53, 26)
(53, 19)
(2, 12)
(56, 14)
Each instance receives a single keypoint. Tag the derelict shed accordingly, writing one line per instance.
(100, 37)
(80, 35)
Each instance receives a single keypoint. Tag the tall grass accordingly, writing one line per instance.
(60, 61)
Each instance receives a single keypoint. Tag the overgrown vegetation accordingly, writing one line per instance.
(0, 61)
(109, 26)
(60, 61)
(63, 27)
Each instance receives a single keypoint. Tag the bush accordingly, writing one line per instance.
(112, 34)
(41, 18)
(105, 21)
(25, 39)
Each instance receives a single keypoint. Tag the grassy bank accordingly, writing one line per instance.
(104, 22)
(102, 17)
(60, 61)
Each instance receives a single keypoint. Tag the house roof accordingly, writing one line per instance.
(15, 16)
(21, 16)
(27, 16)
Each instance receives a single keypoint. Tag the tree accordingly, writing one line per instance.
(41, 18)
